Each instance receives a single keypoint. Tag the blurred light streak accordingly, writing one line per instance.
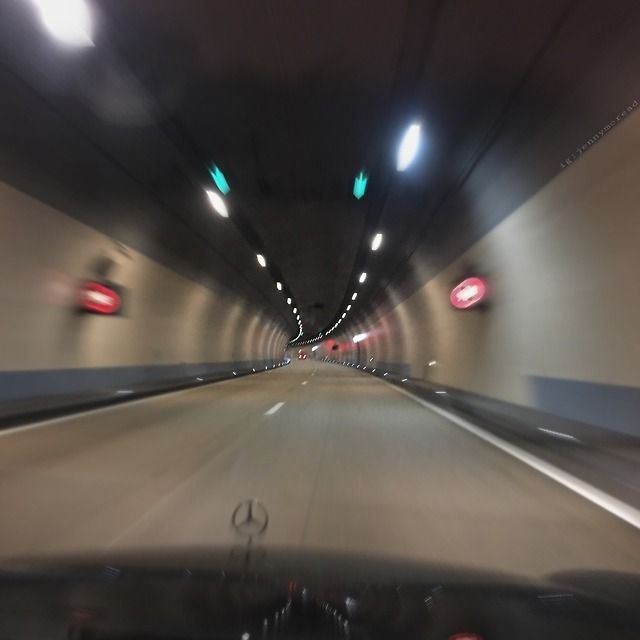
(408, 147)
(67, 20)
(217, 203)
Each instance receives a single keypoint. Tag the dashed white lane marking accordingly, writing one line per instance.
(276, 407)
(559, 434)
(305, 382)
(625, 512)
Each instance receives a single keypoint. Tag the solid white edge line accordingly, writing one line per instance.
(616, 507)
(273, 409)
(49, 422)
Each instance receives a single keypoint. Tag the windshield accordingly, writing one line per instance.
(351, 277)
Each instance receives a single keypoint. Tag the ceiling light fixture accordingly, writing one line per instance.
(261, 260)
(363, 277)
(217, 202)
(354, 296)
(408, 147)
(360, 337)
(67, 20)
(279, 286)
(376, 242)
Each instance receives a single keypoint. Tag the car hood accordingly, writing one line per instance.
(246, 592)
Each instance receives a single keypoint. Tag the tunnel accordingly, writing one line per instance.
(371, 264)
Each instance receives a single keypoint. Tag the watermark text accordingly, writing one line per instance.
(599, 135)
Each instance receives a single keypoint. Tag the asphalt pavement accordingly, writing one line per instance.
(340, 459)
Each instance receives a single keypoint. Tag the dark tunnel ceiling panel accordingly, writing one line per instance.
(316, 243)
(288, 98)
(293, 98)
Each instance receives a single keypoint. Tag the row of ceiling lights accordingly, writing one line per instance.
(219, 205)
(376, 243)
(69, 21)
(407, 152)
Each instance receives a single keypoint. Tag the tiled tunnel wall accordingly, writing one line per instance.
(560, 330)
(170, 328)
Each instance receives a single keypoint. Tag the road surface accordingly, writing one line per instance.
(342, 461)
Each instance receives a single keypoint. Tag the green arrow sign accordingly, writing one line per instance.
(360, 185)
(219, 179)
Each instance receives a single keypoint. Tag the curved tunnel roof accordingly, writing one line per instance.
(291, 101)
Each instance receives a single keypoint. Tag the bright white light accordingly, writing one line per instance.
(376, 242)
(408, 147)
(96, 296)
(217, 203)
(348, 307)
(467, 293)
(261, 260)
(288, 300)
(354, 296)
(360, 337)
(67, 20)
(315, 348)
(432, 363)
(363, 277)
(279, 286)
(344, 314)
(295, 310)
(298, 317)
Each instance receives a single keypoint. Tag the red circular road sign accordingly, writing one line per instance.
(99, 298)
(468, 293)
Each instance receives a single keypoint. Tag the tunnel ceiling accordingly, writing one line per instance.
(291, 100)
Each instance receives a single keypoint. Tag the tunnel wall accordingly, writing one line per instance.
(171, 328)
(559, 333)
